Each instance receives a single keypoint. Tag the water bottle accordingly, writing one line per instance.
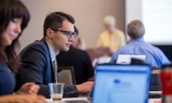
(166, 83)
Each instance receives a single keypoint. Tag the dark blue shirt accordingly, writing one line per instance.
(7, 80)
(154, 56)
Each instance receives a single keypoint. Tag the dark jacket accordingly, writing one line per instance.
(37, 67)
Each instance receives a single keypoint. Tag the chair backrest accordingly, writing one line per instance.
(66, 75)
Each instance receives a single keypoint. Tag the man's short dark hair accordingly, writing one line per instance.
(135, 29)
(54, 20)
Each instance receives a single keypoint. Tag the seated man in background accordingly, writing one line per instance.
(111, 37)
(79, 59)
(38, 57)
(137, 46)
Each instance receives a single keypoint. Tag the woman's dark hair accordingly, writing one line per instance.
(10, 10)
(54, 20)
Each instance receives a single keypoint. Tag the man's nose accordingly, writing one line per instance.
(71, 38)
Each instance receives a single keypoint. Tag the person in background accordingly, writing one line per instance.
(79, 59)
(111, 37)
(38, 58)
(80, 43)
(14, 17)
(137, 46)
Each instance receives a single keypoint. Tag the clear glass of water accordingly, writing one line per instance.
(56, 90)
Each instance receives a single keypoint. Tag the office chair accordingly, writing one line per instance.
(66, 75)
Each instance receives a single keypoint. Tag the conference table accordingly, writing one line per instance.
(157, 100)
(68, 99)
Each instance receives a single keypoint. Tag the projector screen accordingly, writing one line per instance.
(156, 15)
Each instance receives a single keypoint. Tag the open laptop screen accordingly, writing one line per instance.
(121, 83)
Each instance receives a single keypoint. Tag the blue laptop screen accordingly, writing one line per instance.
(121, 84)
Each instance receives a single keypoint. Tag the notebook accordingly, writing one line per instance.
(116, 83)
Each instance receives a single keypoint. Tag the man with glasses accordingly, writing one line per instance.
(79, 59)
(38, 58)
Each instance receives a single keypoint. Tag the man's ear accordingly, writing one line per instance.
(49, 33)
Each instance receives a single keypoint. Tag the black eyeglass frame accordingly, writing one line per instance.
(67, 33)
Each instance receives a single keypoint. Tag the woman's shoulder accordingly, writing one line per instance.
(3, 66)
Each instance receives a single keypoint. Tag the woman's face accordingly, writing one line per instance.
(11, 32)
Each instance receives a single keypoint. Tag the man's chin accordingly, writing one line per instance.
(65, 49)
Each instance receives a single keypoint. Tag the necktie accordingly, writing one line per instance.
(55, 71)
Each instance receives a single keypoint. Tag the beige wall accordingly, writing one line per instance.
(87, 13)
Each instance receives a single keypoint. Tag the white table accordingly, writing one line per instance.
(67, 99)
(84, 98)
(155, 100)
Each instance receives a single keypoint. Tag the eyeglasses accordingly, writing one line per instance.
(67, 33)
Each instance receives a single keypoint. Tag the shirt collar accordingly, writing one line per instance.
(52, 53)
(137, 40)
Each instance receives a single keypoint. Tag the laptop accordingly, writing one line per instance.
(126, 59)
(116, 83)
